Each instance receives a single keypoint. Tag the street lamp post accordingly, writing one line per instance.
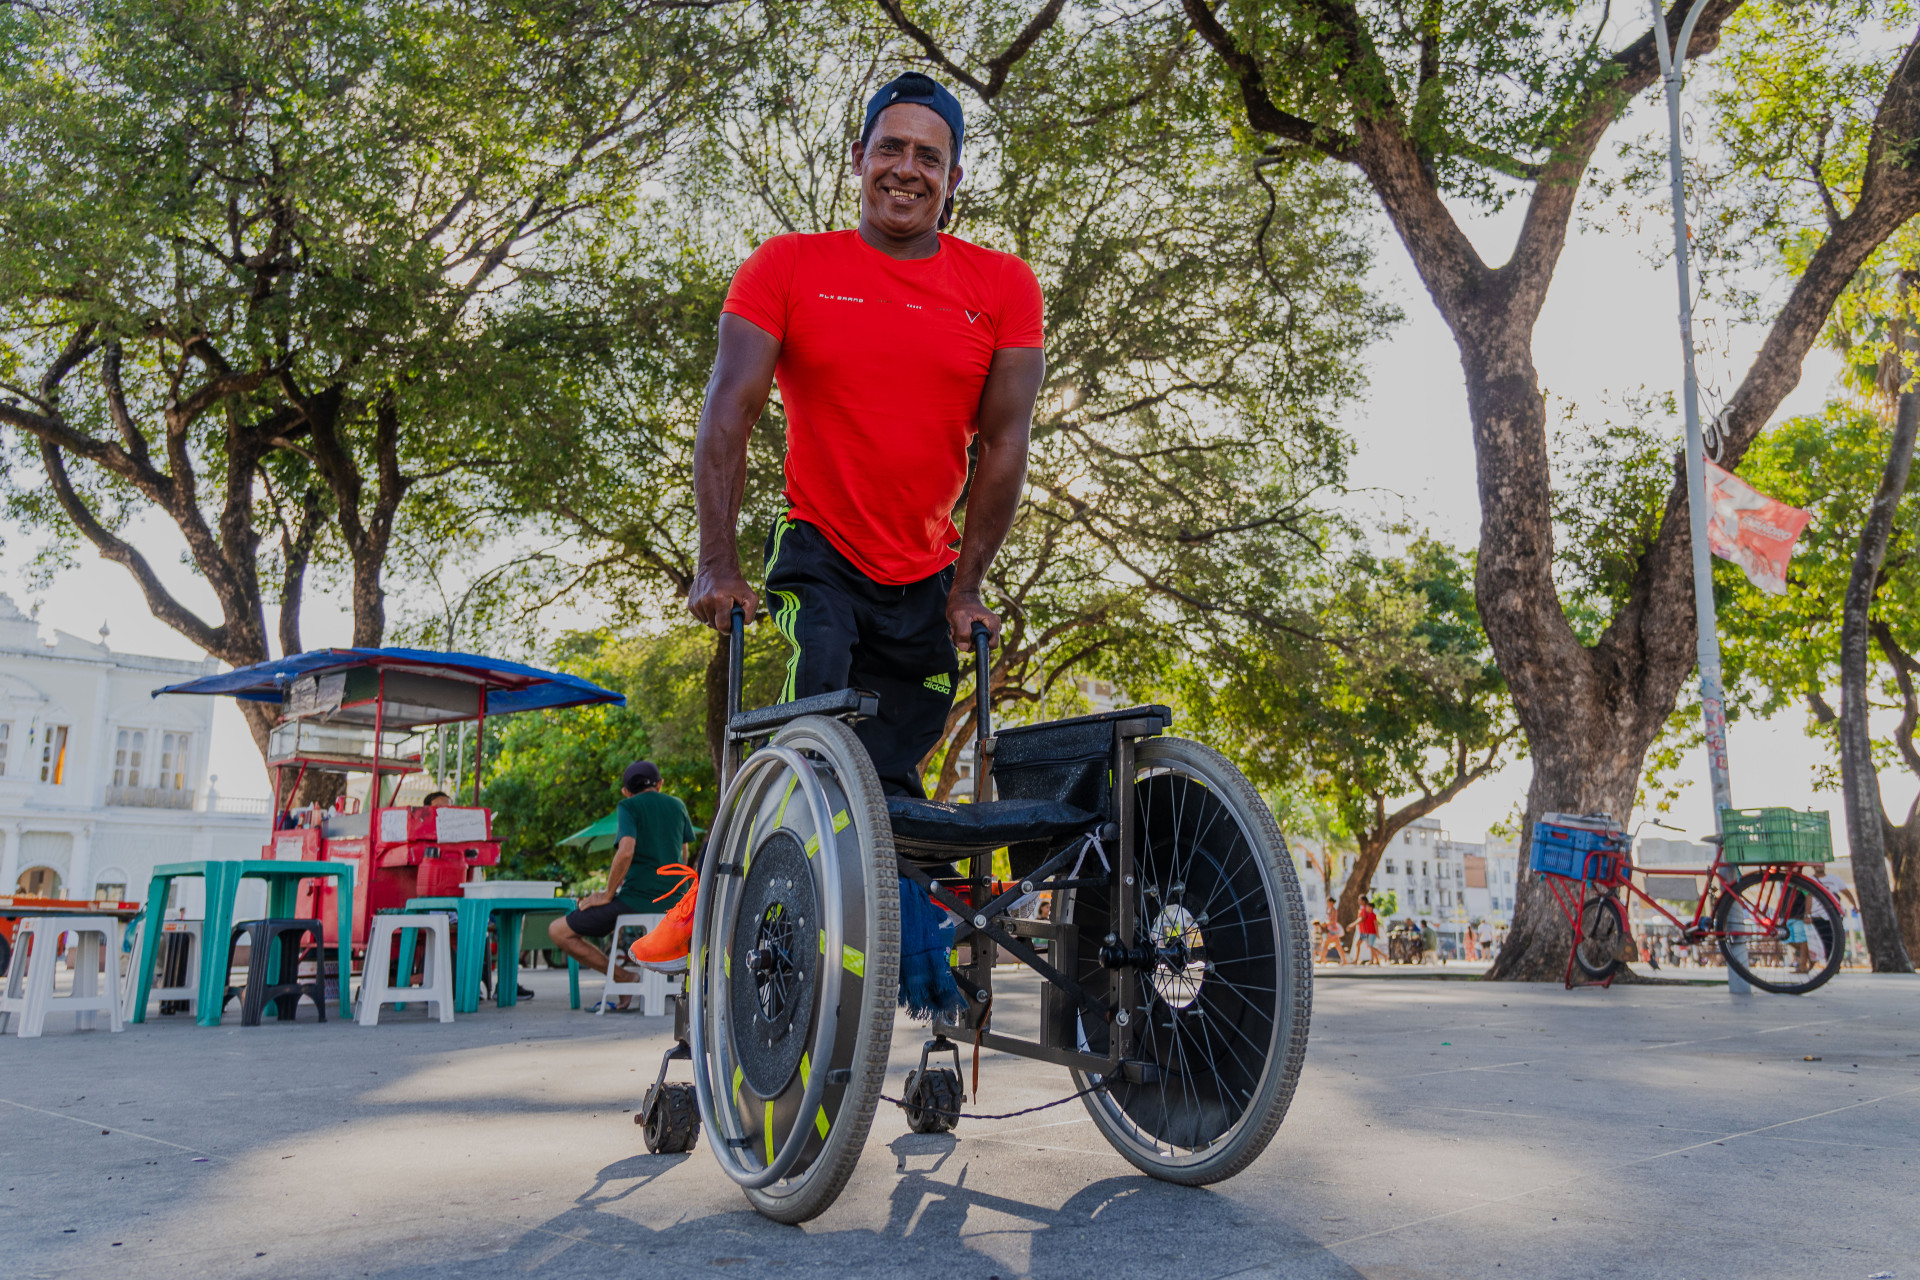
(1713, 706)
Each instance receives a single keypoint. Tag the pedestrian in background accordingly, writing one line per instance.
(1366, 942)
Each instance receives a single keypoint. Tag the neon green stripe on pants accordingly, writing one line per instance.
(785, 619)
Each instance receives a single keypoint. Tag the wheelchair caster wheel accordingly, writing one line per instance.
(933, 1100)
(671, 1117)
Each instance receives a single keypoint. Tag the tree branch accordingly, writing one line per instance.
(1262, 113)
(161, 601)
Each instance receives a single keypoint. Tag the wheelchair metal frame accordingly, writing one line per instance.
(1111, 842)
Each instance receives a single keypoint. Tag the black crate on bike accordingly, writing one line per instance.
(1578, 848)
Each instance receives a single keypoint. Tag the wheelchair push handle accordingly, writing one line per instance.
(736, 659)
(983, 706)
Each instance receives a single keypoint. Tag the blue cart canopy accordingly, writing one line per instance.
(511, 687)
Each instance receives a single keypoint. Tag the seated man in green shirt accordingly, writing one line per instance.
(655, 836)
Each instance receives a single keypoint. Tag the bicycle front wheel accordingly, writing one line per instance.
(1602, 925)
(1781, 931)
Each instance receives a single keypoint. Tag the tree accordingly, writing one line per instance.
(1511, 102)
(1396, 709)
(1786, 649)
(1201, 322)
(264, 270)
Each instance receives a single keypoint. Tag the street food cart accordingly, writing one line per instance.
(371, 711)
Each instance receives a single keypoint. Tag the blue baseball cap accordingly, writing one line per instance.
(922, 90)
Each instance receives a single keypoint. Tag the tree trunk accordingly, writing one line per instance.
(1365, 862)
(1859, 780)
(1903, 859)
(1568, 777)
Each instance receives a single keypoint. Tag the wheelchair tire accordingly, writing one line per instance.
(933, 1100)
(796, 964)
(672, 1116)
(1227, 1004)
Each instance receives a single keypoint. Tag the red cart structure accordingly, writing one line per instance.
(355, 711)
(1776, 924)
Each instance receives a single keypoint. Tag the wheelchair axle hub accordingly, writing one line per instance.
(771, 985)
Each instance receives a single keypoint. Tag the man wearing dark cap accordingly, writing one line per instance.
(653, 836)
(897, 348)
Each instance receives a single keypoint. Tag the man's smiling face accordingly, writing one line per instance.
(906, 170)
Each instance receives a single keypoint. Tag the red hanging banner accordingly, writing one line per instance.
(1752, 530)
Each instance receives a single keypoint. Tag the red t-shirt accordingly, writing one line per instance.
(1369, 923)
(881, 367)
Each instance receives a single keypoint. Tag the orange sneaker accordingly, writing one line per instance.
(664, 947)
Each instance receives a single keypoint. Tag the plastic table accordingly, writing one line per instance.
(223, 883)
(471, 916)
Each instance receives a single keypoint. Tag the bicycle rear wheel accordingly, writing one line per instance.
(1794, 933)
(1602, 926)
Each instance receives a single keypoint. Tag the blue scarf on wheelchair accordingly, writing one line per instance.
(926, 983)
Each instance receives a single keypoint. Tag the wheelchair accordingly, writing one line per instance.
(1174, 953)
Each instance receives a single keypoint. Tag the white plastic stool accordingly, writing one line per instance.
(436, 967)
(36, 953)
(193, 931)
(652, 987)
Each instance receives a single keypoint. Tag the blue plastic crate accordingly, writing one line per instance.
(1564, 849)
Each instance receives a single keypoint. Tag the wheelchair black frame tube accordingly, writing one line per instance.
(736, 663)
(982, 711)
(1126, 924)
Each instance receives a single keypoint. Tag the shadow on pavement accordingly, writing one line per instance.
(1120, 1228)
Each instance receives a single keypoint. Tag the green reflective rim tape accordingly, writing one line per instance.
(840, 820)
(780, 815)
(820, 1122)
(769, 1130)
(739, 1074)
(855, 961)
(823, 942)
(813, 845)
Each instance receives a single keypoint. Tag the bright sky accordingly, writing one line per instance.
(1610, 327)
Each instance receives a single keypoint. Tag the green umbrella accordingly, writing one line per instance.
(599, 837)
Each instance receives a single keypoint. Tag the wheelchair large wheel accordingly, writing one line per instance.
(796, 949)
(1220, 1026)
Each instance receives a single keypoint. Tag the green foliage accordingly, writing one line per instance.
(1398, 697)
(1613, 478)
(1487, 90)
(1785, 650)
(1793, 103)
(298, 258)
(1386, 902)
(553, 773)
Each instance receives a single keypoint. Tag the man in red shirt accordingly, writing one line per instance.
(896, 348)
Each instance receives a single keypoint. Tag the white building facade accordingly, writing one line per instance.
(1434, 879)
(99, 780)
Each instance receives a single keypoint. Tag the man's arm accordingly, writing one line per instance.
(999, 472)
(736, 393)
(616, 874)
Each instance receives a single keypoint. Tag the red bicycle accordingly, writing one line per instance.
(1776, 926)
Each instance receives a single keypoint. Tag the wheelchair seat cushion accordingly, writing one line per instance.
(957, 830)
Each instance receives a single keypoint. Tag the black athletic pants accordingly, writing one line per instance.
(847, 631)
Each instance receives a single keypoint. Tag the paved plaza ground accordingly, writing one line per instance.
(1442, 1128)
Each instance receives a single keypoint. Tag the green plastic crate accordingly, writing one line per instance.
(1776, 835)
